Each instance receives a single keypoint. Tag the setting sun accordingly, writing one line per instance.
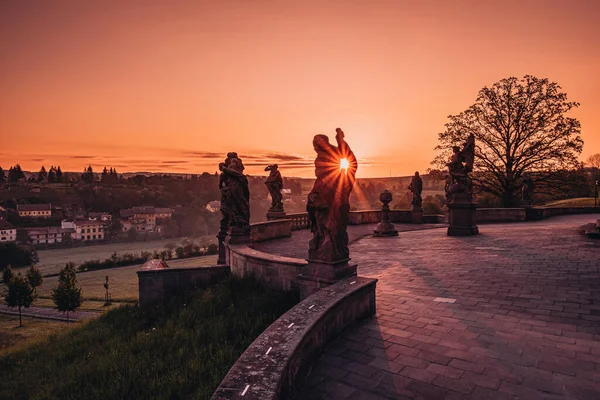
(344, 164)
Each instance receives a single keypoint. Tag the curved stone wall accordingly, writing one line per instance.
(277, 362)
(278, 272)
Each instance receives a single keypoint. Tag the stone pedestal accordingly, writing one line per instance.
(385, 227)
(273, 215)
(416, 215)
(238, 237)
(462, 215)
(221, 236)
(318, 274)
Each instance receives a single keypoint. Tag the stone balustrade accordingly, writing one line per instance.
(299, 221)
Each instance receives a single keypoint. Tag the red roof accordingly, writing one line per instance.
(4, 224)
(88, 222)
(34, 207)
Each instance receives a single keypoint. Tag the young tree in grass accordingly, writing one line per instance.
(20, 294)
(35, 278)
(7, 274)
(67, 296)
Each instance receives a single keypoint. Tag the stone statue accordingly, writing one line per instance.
(328, 202)
(459, 168)
(416, 187)
(527, 189)
(235, 196)
(274, 184)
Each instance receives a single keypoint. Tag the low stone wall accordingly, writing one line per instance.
(374, 217)
(556, 211)
(528, 214)
(277, 272)
(271, 230)
(364, 217)
(157, 285)
(275, 365)
(489, 215)
(434, 219)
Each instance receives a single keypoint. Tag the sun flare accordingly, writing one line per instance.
(344, 164)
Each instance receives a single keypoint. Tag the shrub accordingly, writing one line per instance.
(17, 255)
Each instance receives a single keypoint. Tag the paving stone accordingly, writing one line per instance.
(525, 323)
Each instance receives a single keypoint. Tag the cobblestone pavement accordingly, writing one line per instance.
(49, 313)
(513, 313)
(297, 245)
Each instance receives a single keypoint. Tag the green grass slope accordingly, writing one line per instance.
(180, 351)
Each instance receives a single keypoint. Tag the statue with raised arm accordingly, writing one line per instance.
(328, 202)
(274, 184)
(235, 195)
(416, 187)
(459, 168)
(459, 191)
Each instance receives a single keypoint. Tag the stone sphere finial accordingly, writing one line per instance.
(385, 197)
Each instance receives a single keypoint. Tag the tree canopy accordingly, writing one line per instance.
(67, 296)
(519, 126)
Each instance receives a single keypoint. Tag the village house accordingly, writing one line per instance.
(144, 218)
(88, 229)
(45, 235)
(8, 233)
(34, 210)
(101, 216)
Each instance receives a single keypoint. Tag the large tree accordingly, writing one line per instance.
(519, 126)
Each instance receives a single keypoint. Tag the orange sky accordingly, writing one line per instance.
(173, 85)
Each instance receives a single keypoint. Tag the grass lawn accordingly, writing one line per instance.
(13, 337)
(123, 281)
(51, 261)
(179, 351)
(577, 202)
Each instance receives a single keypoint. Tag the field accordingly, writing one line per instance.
(179, 351)
(51, 261)
(577, 202)
(11, 336)
(123, 281)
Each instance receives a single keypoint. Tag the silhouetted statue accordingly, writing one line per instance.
(328, 201)
(274, 183)
(235, 195)
(416, 187)
(459, 168)
(527, 189)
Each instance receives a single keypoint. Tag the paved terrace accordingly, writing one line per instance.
(511, 313)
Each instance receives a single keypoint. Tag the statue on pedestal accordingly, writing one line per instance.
(235, 196)
(459, 191)
(328, 202)
(459, 168)
(274, 184)
(416, 187)
(527, 190)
